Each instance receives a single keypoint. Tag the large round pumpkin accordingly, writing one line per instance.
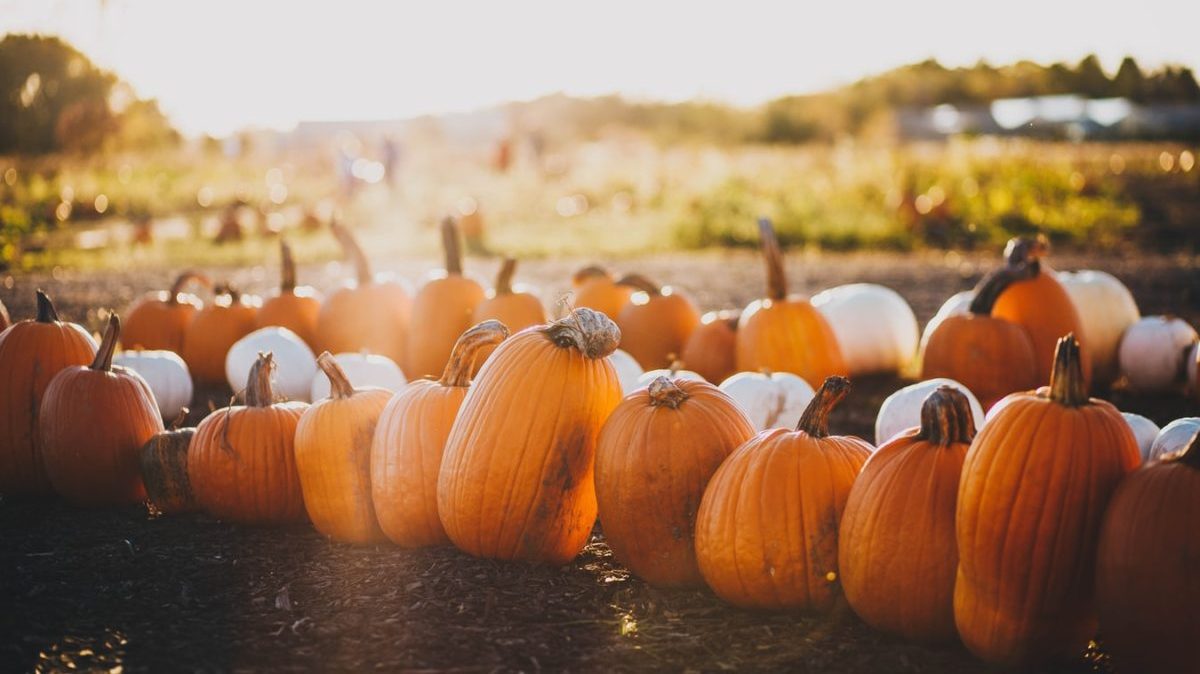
(516, 478)
(656, 323)
(410, 438)
(166, 374)
(1035, 484)
(214, 330)
(293, 307)
(767, 530)
(442, 310)
(159, 320)
(875, 327)
(596, 288)
(31, 353)
(711, 350)
(896, 546)
(164, 468)
(517, 309)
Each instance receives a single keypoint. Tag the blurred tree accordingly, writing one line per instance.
(1129, 82)
(1091, 80)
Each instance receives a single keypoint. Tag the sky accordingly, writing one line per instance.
(220, 65)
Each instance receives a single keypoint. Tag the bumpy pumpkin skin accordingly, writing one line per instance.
(897, 546)
(1035, 485)
(31, 353)
(517, 476)
(165, 470)
(213, 331)
(655, 455)
(767, 530)
(160, 320)
(596, 288)
(656, 323)
(711, 350)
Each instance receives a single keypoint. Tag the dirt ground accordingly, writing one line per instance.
(84, 590)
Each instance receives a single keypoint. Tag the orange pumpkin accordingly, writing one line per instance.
(294, 308)
(516, 478)
(406, 454)
(1035, 484)
(214, 330)
(654, 458)
(442, 311)
(160, 320)
(785, 333)
(31, 353)
(333, 457)
(767, 530)
(242, 464)
(656, 323)
(596, 288)
(164, 469)
(370, 316)
(990, 356)
(93, 422)
(711, 350)
(516, 310)
(896, 545)
(1146, 588)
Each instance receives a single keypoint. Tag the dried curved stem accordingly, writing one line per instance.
(287, 263)
(182, 280)
(1026, 251)
(666, 393)
(946, 417)
(227, 288)
(180, 419)
(642, 283)
(108, 345)
(996, 282)
(815, 420)
(591, 332)
(452, 247)
(508, 269)
(773, 256)
(1190, 456)
(339, 383)
(467, 349)
(1066, 379)
(353, 252)
(46, 313)
(589, 272)
(259, 392)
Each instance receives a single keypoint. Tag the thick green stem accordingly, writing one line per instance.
(815, 420)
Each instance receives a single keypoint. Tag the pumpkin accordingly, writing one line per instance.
(711, 350)
(214, 330)
(159, 321)
(1106, 308)
(896, 545)
(1173, 437)
(767, 529)
(673, 372)
(959, 304)
(1034, 487)
(1039, 303)
(628, 370)
(1154, 354)
(371, 315)
(656, 322)
(410, 438)
(1144, 431)
(31, 353)
(991, 356)
(365, 370)
(333, 456)
(782, 333)
(5, 321)
(164, 460)
(295, 364)
(516, 310)
(1146, 590)
(875, 328)
(901, 410)
(769, 399)
(167, 376)
(683, 429)
(294, 308)
(442, 311)
(516, 477)
(93, 422)
(596, 288)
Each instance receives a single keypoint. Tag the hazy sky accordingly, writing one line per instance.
(218, 65)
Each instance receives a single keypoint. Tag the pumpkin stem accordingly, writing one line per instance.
(676, 364)
(946, 417)
(229, 289)
(104, 355)
(1066, 379)
(466, 351)
(773, 256)
(815, 420)
(452, 247)
(182, 280)
(590, 271)
(46, 313)
(180, 419)
(996, 282)
(353, 251)
(1190, 455)
(641, 283)
(259, 392)
(504, 278)
(591, 332)
(339, 383)
(1026, 251)
(287, 282)
(666, 393)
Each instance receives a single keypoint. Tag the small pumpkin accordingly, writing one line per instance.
(164, 460)
(1106, 308)
(770, 399)
(295, 364)
(656, 322)
(296, 308)
(1144, 431)
(1154, 354)
(365, 370)
(93, 422)
(901, 410)
(767, 529)
(442, 310)
(517, 310)
(167, 376)
(410, 438)
(628, 370)
(784, 333)
(32, 352)
(596, 288)
(214, 330)
(958, 304)
(711, 350)
(333, 457)
(159, 320)
(1173, 438)
(896, 545)
(678, 428)
(875, 327)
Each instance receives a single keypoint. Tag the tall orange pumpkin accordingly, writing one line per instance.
(369, 316)
(93, 422)
(596, 288)
(1035, 484)
(711, 350)
(442, 311)
(896, 545)
(654, 457)
(656, 322)
(214, 330)
(294, 308)
(785, 333)
(160, 320)
(241, 464)
(767, 530)
(333, 457)
(31, 353)
(406, 454)
(516, 478)
(516, 310)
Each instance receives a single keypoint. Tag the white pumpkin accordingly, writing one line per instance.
(295, 364)
(650, 375)
(364, 370)
(1144, 431)
(875, 328)
(628, 370)
(902, 410)
(959, 304)
(1106, 308)
(1173, 437)
(774, 400)
(1153, 352)
(1193, 364)
(167, 375)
